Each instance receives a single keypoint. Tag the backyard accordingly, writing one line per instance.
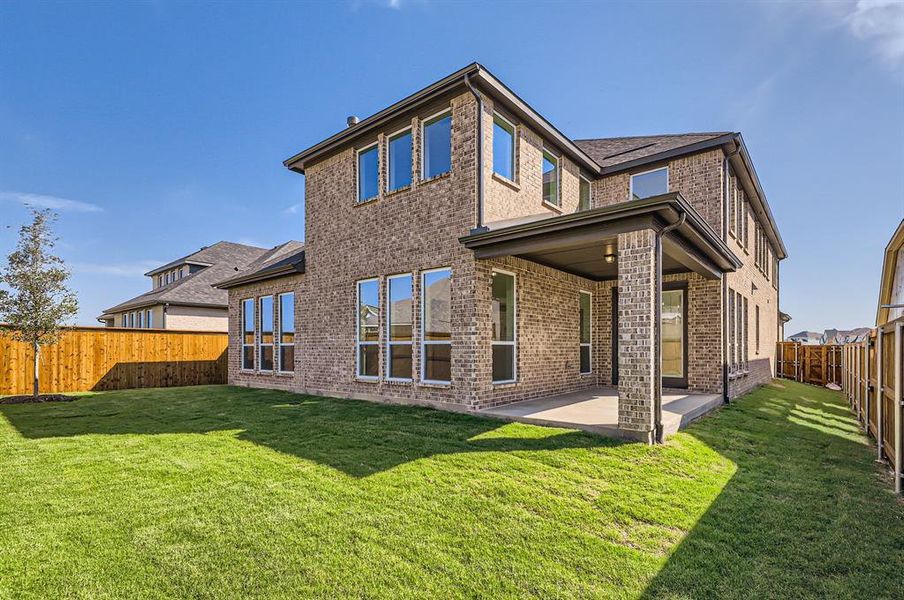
(216, 491)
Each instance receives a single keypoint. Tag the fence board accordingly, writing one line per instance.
(91, 358)
(818, 365)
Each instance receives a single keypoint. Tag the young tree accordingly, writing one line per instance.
(37, 303)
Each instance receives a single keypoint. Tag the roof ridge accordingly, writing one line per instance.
(655, 135)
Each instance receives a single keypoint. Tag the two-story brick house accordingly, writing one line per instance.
(557, 265)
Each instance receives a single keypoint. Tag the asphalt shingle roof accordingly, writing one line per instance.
(607, 152)
(198, 288)
(273, 261)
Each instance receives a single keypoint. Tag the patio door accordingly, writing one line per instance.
(673, 334)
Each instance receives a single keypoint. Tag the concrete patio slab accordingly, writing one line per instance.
(596, 410)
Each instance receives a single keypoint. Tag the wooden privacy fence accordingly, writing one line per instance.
(818, 365)
(872, 379)
(101, 358)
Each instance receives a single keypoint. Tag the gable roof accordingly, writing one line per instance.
(474, 74)
(197, 289)
(286, 259)
(619, 151)
(889, 268)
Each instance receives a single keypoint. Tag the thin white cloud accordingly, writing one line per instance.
(294, 209)
(129, 269)
(879, 23)
(52, 202)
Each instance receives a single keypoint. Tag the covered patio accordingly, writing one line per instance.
(632, 244)
(596, 410)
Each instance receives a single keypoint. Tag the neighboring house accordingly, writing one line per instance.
(544, 271)
(830, 336)
(182, 293)
(808, 338)
(891, 284)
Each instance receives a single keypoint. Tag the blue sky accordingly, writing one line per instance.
(156, 128)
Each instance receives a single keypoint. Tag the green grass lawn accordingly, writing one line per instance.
(226, 492)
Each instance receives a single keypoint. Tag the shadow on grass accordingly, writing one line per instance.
(803, 515)
(358, 438)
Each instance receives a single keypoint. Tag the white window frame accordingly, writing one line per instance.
(423, 155)
(358, 153)
(589, 190)
(426, 342)
(514, 155)
(149, 318)
(668, 181)
(389, 139)
(546, 152)
(514, 342)
(358, 342)
(589, 344)
(140, 319)
(260, 333)
(278, 334)
(253, 334)
(389, 342)
(132, 320)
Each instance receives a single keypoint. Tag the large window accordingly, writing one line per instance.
(651, 183)
(550, 179)
(149, 319)
(368, 173)
(504, 345)
(286, 339)
(266, 339)
(400, 160)
(503, 147)
(436, 326)
(368, 344)
(585, 316)
(672, 333)
(437, 145)
(248, 334)
(141, 319)
(583, 194)
(398, 350)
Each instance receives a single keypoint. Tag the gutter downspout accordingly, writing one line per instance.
(725, 216)
(480, 226)
(657, 399)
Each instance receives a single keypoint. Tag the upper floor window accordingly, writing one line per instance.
(650, 183)
(583, 194)
(550, 178)
(503, 147)
(437, 145)
(368, 170)
(400, 160)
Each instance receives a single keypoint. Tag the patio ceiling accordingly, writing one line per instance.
(577, 243)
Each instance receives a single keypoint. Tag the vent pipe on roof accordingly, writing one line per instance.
(351, 121)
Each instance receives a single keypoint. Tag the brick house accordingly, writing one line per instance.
(427, 280)
(183, 294)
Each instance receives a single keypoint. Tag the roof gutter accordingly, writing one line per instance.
(256, 277)
(479, 98)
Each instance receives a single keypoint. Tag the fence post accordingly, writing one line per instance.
(866, 385)
(897, 406)
(880, 385)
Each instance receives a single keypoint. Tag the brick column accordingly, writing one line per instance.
(639, 384)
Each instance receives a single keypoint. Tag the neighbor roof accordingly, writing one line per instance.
(197, 289)
(285, 259)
